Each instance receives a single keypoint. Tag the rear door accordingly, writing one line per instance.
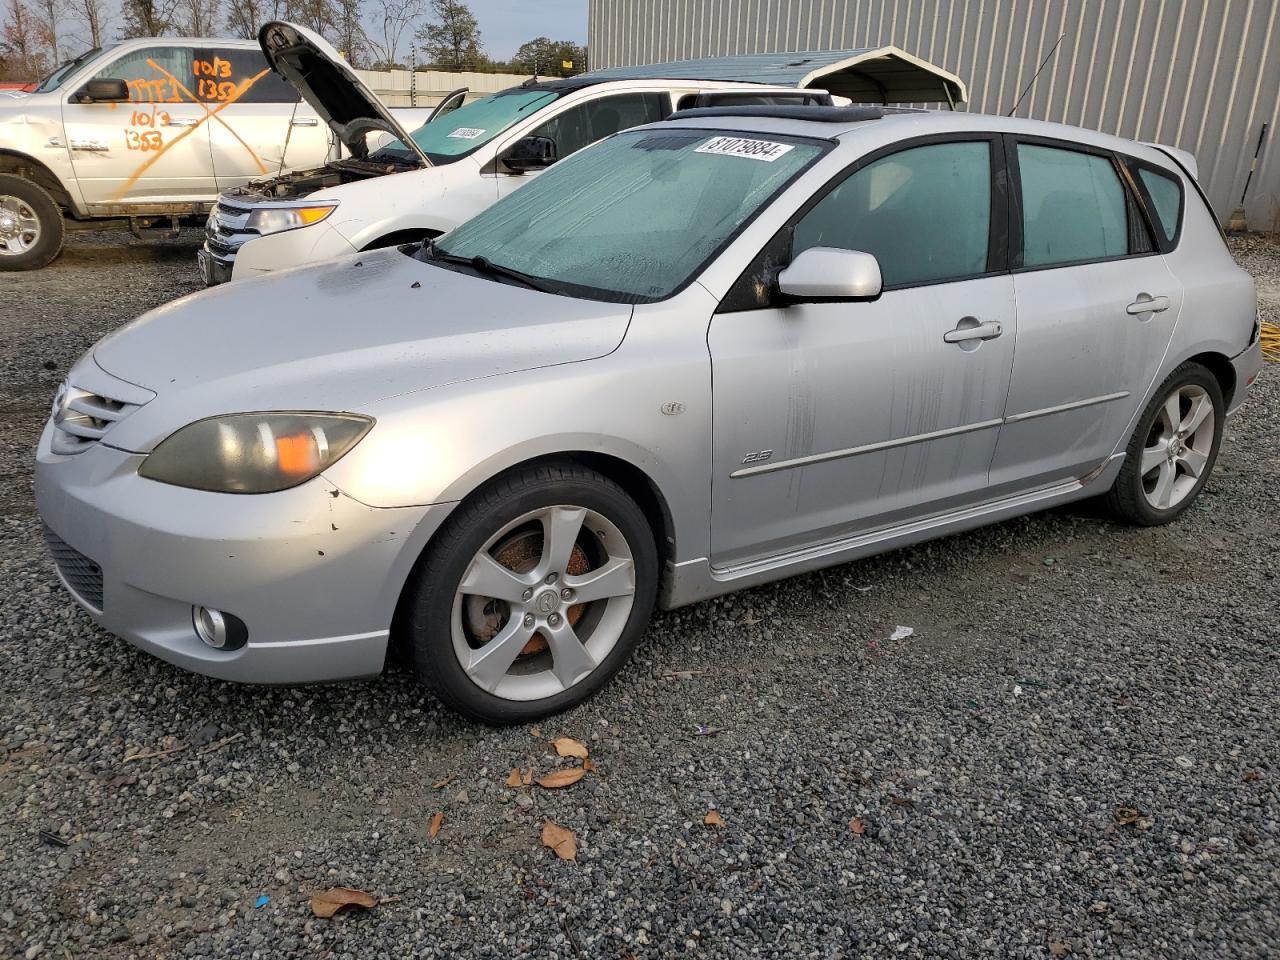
(153, 149)
(1096, 310)
(835, 418)
(258, 125)
(583, 123)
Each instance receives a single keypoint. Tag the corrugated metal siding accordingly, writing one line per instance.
(1203, 75)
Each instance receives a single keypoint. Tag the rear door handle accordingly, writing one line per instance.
(1147, 304)
(180, 122)
(305, 122)
(971, 329)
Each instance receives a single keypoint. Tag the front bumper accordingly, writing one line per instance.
(215, 266)
(314, 574)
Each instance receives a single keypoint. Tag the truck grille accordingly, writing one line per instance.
(225, 230)
(81, 418)
(82, 576)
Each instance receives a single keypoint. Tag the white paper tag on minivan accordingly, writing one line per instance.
(467, 133)
(745, 147)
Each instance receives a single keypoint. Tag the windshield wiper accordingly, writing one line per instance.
(484, 265)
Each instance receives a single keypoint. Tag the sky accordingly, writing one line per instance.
(505, 24)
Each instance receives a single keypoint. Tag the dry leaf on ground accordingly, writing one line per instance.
(857, 826)
(436, 823)
(569, 747)
(560, 840)
(713, 819)
(535, 731)
(1126, 816)
(328, 902)
(443, 782)
(514, 779)
(563, 777)
(1059, 949)
(588, 765)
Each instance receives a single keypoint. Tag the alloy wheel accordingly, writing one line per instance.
(19, 226)
(1178, 447)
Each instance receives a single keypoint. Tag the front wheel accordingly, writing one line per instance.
(533, 595)
(1173, 450)
(31, 227)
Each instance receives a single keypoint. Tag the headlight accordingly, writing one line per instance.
(274, 219)
(254, 452)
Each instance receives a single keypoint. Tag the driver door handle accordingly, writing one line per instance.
(1147, 304)
(180, 122)
(305, 122)
(974, 331)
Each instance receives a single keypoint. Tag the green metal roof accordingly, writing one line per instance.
(864, 75)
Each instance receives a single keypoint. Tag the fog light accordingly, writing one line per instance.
(219, 630)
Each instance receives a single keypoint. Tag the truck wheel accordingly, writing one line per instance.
(31, 229)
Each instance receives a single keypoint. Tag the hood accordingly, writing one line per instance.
(340, 336)
(336, 92)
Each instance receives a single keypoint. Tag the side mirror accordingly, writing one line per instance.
(826, 273)
(531, 153)
(108, 90)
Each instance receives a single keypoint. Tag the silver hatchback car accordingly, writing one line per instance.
(701, 355)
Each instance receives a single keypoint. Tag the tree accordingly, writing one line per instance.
(198, 18)
(317, 15)
(244, 17)
(92, 15)
(548, 58)
(451, 39)
(148, 18)
(48, 14)
(392, 18)
(348, 34)
(22, 43)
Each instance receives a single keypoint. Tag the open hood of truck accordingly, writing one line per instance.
(318, 72)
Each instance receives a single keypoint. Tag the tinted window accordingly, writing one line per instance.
(584, 124)
(153, 74)
(230, 74)
(1166, 197)
(1073, 207)
(925, 213)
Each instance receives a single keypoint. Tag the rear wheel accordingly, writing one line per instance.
(533, 595)
(31, 228)
(1173, 450)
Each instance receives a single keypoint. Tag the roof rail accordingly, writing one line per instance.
(784, 111)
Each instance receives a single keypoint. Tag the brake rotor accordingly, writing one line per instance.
(485, 616)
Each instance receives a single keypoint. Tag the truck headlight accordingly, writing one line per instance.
(275, 219)
(254, 452)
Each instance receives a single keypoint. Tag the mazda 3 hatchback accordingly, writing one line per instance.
(698, 356)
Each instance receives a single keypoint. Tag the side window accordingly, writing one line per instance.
(1166, 198)
(584, 124)
(1073, 207)
(230, 74)
(153, 74)
(925, 213)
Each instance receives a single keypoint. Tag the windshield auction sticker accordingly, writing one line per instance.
(765, 150)
(467, 133)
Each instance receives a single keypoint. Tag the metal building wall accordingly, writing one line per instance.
(1203, 75)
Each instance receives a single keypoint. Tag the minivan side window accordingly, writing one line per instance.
(585, 123)
(153, 74)
(1166, 198)
(232, 74)
(1073, 207)
(924, 213)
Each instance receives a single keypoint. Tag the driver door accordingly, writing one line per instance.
(586, 122)
(833, 419)
(153, 149)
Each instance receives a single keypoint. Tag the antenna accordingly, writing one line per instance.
(1043, 63)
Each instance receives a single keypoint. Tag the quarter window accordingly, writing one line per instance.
(924, 213)
(1073, 207)
(585, 123)
(1166, 197)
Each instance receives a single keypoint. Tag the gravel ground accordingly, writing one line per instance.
(1062, 668)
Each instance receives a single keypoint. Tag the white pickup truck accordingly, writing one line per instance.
(147, 133)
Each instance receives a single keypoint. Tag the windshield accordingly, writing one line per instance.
(464, 130)
(637, 215)
(54, 80)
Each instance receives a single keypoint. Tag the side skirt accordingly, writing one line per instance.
(694, 580)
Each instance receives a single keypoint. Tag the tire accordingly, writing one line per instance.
(1168, 462)
(22, 203)
(538, 631)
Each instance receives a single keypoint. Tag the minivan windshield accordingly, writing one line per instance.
(54, 80)
(462, 131)
(634, 217)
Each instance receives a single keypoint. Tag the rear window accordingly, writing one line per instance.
(1166, 198)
